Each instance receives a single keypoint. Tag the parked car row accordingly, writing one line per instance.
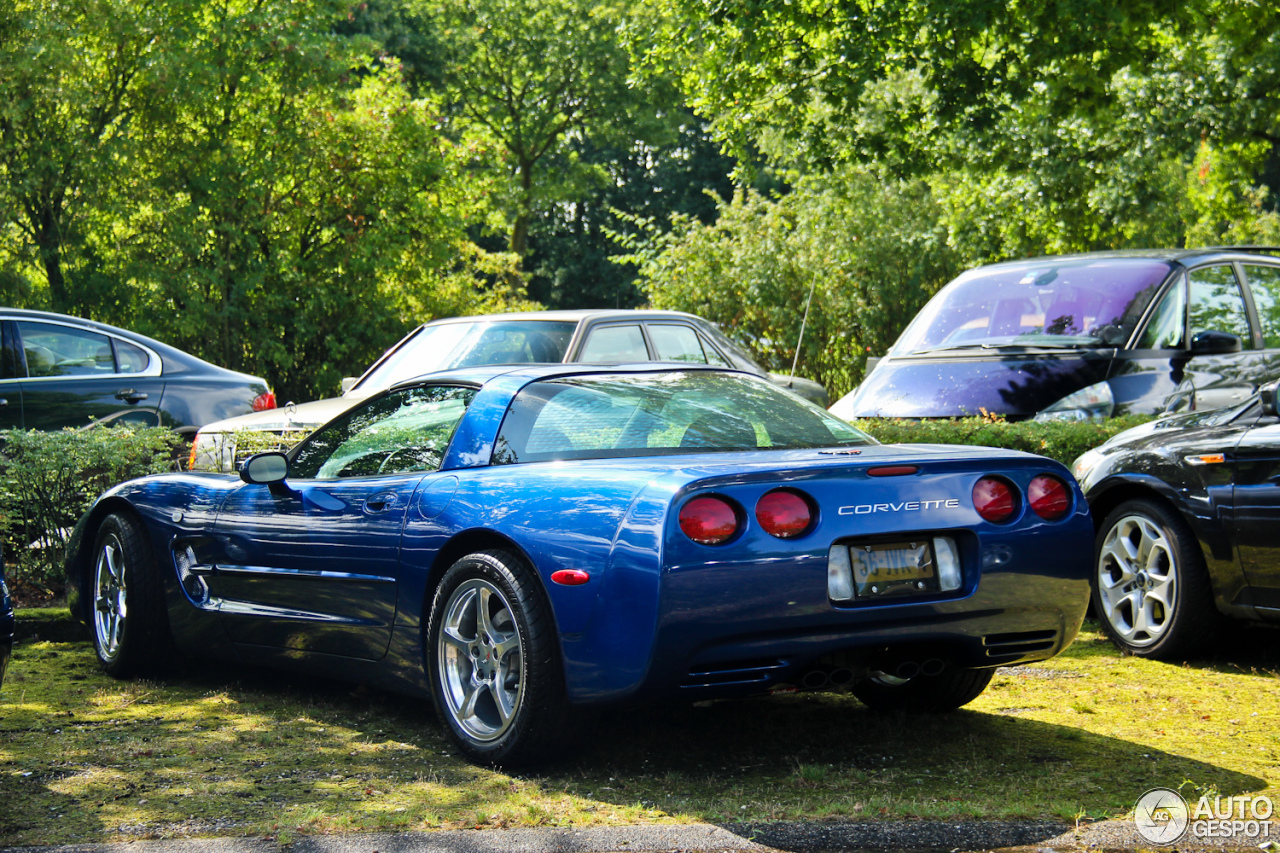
(523, 539)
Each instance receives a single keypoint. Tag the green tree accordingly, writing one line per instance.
(533, 75)
(71, 72)
(872, 252)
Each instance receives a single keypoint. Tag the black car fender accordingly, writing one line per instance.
(1203, 515)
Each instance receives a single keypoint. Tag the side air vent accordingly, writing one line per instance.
(1019, 644)
(732, 672)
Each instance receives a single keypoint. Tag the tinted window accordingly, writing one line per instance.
(1091, 301)
(1265, 284)
(1164, 329)
(676, 343)
(64, 351)
(605, 416)
(132, 359)
(1216, 303)
(615, 345)
(407, 430)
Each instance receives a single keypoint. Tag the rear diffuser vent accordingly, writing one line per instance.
(1019, 644)
(755, 671)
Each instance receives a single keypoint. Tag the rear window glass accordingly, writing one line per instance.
(654, 414)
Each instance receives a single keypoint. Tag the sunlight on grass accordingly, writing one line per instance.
(223, 751)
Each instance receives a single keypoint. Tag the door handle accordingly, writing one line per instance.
(381, 503)
(131, 396)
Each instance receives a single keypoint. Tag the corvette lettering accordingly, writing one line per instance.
(906, 506)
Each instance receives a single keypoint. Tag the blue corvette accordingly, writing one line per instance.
(525, 543)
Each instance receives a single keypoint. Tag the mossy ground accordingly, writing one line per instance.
(219, 750)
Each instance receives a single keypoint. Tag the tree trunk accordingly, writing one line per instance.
(520, 228)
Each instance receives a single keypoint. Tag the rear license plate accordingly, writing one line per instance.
(893, 568)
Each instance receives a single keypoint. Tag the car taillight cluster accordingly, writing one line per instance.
(264, 401)
(997, 500)
(713, 519)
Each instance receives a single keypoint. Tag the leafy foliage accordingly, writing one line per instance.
(872, 252)
(1060, 440)
(49, 479)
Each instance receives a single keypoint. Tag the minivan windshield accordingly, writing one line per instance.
(1049, 302)
(469, 344)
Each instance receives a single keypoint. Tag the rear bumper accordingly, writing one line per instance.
(734, 628)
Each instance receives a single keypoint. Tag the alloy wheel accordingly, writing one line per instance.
(1138, 580)
(481, 660)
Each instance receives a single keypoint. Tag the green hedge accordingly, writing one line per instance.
(48, 480)
(1063, 441)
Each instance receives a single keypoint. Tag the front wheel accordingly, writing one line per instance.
(945, 691)
(494, 662)
(1151, 589)
(130, 624)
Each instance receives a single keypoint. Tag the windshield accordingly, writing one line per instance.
(1047, 302)
(655, 414)
(451, 345)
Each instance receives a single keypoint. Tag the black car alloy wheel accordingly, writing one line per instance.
(1150, 587)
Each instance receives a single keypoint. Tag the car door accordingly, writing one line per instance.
(313, 564)
(1263, 282)
(1215, 303)
(1256, 513)
(73, 376)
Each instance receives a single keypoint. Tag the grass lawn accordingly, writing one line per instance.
(219, 750)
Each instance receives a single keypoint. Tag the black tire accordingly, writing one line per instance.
(498, 689)
(1145, 555)
(923, 694)
(128, 619)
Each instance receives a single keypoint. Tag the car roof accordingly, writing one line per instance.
(574, 316)
(1186, 257)
(483, 374)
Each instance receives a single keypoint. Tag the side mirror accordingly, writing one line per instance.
(265, 469)
(349, 382)
(1212, 342)
(1267, 394)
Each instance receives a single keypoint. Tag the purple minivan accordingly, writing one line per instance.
(1075, 337)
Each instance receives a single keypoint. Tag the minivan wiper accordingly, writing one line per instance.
(1019, 345)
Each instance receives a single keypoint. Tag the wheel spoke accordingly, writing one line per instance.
(454, 638)
(502, 700)
(483, 624)
(471, 695)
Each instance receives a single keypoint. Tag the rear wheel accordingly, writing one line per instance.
(494, 662)
(1151, 589)
(130, 624)
(945, 691)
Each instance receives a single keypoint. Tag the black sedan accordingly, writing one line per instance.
(1187, 510)
(58, 371)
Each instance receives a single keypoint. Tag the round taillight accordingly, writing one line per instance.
(1049, 497)
(994, 499)
(784, 513)
(709, 520)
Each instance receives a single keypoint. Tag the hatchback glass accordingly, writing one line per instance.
(656, 414)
